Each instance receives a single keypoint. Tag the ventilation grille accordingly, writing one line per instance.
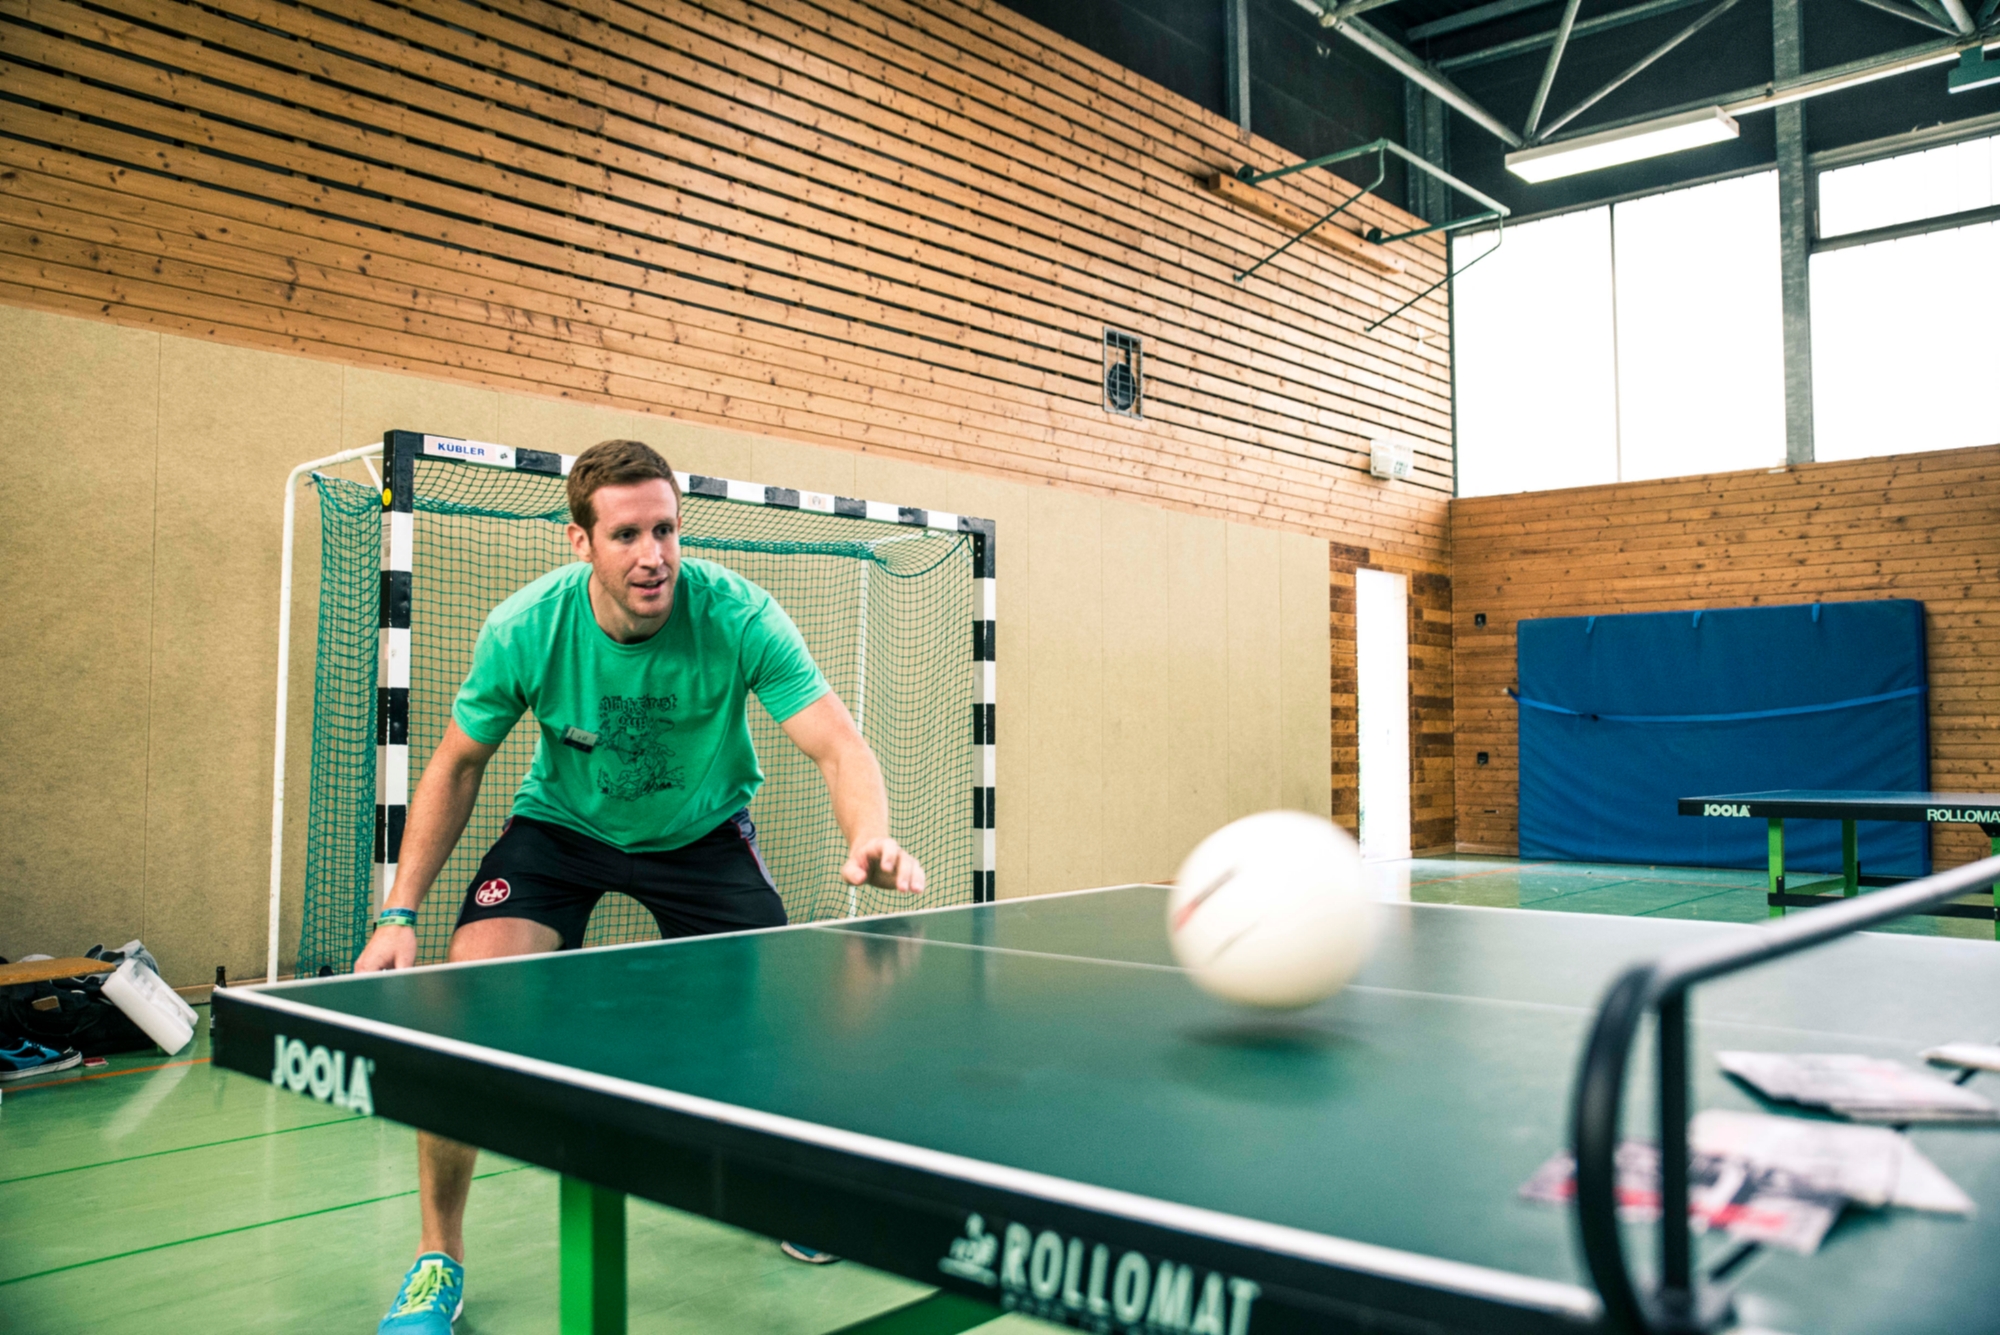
(1124, 376)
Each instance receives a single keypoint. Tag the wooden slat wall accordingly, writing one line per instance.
(886, 225)
(895, 225)
(1924, 526)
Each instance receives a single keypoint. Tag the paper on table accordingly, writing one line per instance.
(1871, 1089)
(1969, 1056)
(1748, 1202)
(1869, 1165)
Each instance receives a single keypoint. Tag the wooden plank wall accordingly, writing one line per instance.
(885, 225)
(1924, 526)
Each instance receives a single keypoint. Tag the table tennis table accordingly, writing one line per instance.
(1028, 1106)
(1775, 806)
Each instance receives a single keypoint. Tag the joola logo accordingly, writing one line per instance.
(1961, 816)
(327, 1076)
(1074, 1282)
(1724, 809)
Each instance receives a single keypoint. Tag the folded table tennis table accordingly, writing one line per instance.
(1026, 1105)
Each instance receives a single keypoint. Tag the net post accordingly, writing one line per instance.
(985, 571)
(392, 677)
(1850, 859)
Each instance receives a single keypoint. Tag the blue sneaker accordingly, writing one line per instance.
(21, 1058)
(798, 1251)
(432, 1296)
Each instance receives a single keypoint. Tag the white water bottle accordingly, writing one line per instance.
(147, 1000)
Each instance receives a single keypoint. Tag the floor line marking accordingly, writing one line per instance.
(184, 1149)
(240, 1228)
(105, 1075)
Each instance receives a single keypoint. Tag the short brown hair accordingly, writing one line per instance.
(613, 463)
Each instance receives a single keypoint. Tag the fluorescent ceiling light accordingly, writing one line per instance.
(1632, 143)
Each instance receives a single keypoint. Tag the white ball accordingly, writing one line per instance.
(1272, 910)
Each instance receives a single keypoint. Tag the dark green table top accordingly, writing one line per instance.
(1850, 804)
(1054, 1035)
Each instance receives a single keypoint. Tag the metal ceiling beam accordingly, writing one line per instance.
(1855, 72)
(1414, 68)
(1642, 63)
(1472, 18)
(1909, 141)
(1549, 70)
(1535, 42)
(1236, 60)
(1833, 79)
(1959, 18)
(1348, 9)
(1911, 15)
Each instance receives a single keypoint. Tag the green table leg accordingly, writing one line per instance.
(1777, 845)
(1850, 858)
(593, 1259)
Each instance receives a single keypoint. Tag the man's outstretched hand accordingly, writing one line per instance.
(392, 947)
(885, 864)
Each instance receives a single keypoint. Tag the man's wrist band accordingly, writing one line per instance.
(396, 918)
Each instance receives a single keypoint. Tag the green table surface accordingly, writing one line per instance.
(1055, 1035)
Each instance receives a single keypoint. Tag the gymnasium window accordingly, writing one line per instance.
(1636, 340)
(1902, 342)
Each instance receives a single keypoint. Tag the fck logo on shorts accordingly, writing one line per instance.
(492, 892)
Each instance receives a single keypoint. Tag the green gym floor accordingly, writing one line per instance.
(162, 1195)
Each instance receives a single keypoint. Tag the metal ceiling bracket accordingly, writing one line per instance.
(1494, 210)
(1381, 171)
(1499, 235)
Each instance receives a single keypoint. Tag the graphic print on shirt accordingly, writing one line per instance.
(634, 758)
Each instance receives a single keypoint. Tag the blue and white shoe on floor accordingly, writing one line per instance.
(798, 1251)
(432, 1296)
(23, 1057)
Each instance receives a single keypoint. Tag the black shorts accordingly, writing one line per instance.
(553, 875)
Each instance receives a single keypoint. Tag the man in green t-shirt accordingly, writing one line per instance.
(637, 666)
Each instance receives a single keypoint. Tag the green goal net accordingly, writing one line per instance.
(889, 605)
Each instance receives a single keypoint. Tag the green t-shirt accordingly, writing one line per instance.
(672, 757)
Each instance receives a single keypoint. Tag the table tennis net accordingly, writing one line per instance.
(885, 610)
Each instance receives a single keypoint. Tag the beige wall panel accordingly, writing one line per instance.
(1138, 646)
(1066, 664)
(79, 431)
(232, 424)
(570, 428)
(1198, 689)
(1254, 694)
(1117, 744)
(1006, 504)
(1305, 744)
(900, 482)
(376, 401)
(785, 463)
